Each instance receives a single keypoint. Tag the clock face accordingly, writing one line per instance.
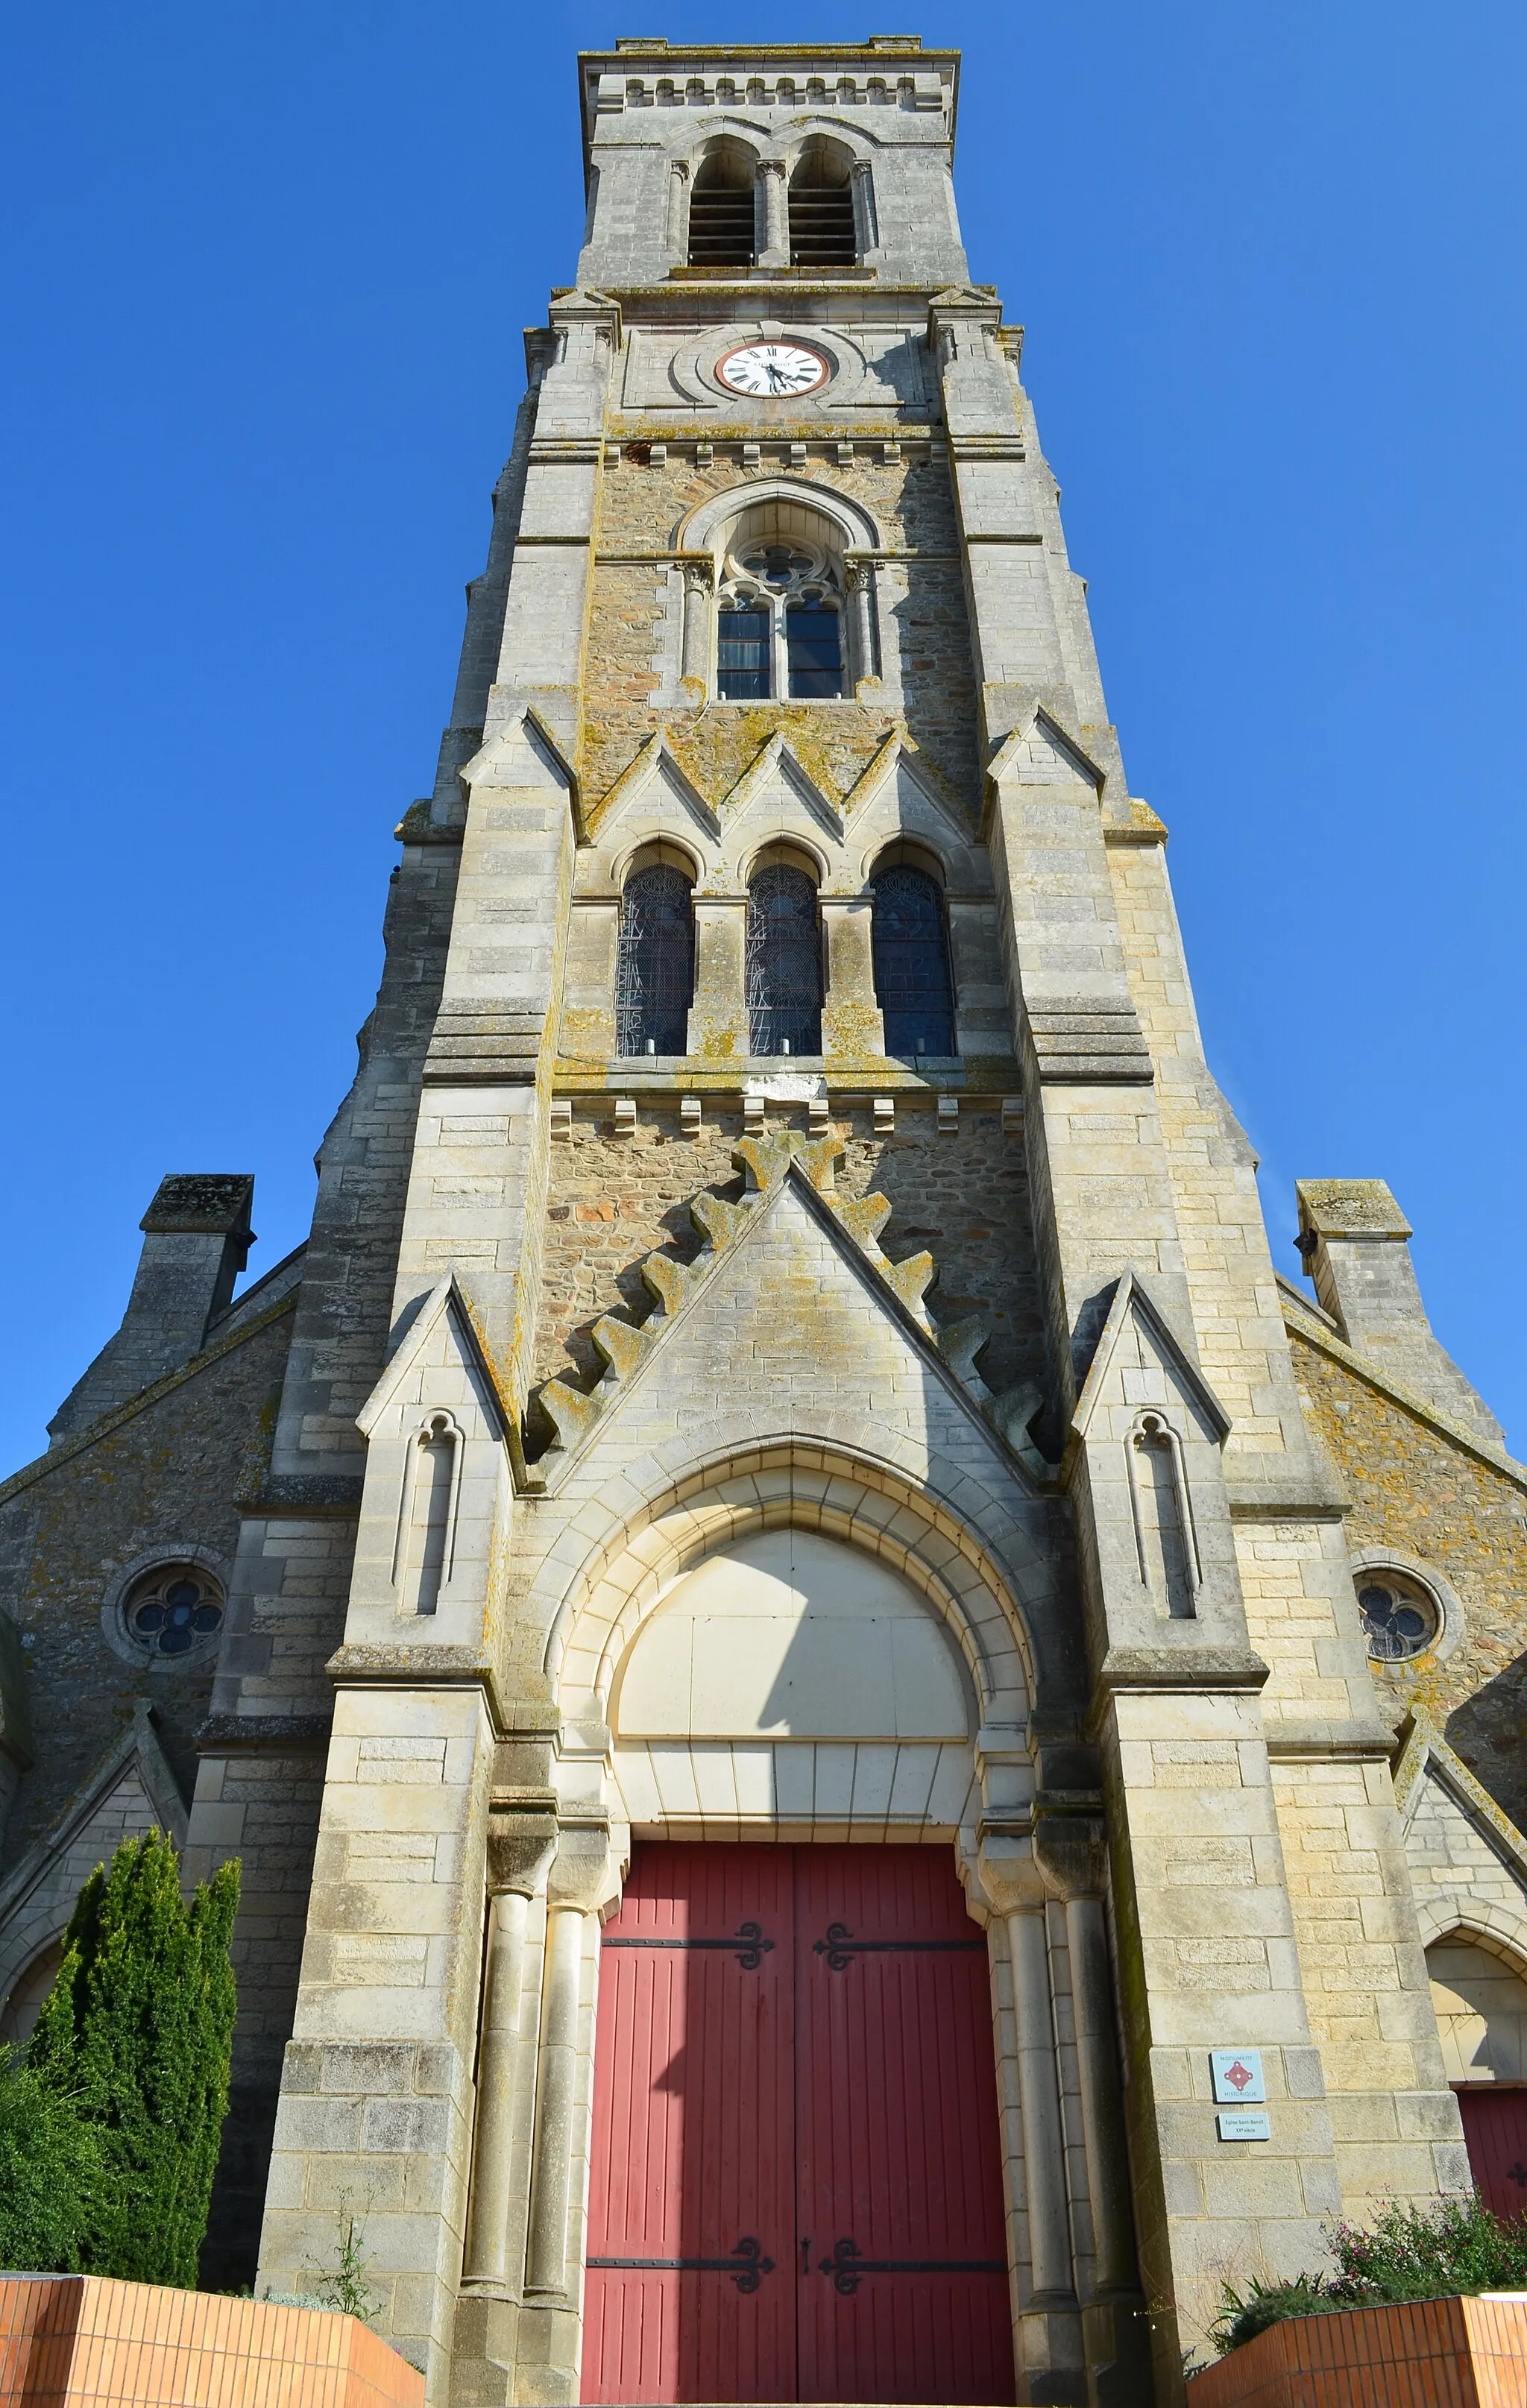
(765, 368)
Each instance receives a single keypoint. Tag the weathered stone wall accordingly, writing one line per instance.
(964, 1197)
(642, 506)
(166, 1473)
(1418, 1491)
(1364, 1980)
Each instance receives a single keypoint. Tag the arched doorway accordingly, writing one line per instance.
(1480, 1998)
(797, 2176)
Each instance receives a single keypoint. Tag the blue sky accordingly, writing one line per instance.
(267, 271)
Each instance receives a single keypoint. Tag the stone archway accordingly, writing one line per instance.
(1479, 1994)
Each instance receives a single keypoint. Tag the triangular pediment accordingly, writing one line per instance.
(442, 1335)
(522, 752)
(1039, 752)
(901, 786)
(776, 780)
(790, 1282)
(1140, 1362)
(1470, 1859)
(658, 784)
(134, 1775)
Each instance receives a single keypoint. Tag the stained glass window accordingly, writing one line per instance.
(913, 985)
(654, 972)
(784, 963)
(1398, 1618)
(174, 1609)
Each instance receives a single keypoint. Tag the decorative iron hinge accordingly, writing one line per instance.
(848, 2266)
(747, 2265)
(839, 1946)
(747, 1945)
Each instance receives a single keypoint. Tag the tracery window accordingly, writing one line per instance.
(783, 962)
(654, 967)
(910, 947)
(780, 623)
(1400, 1617)
(173, 1610)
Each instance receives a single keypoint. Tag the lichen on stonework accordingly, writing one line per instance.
(765, 1161)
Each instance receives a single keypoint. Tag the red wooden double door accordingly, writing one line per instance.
(796, 2190)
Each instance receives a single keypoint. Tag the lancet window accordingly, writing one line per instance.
(783, 962)
(910, 942)
(654, 967)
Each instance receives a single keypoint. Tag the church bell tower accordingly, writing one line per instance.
(848, 1648)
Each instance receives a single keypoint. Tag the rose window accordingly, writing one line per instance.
(174, 1609)
(1399, 1618)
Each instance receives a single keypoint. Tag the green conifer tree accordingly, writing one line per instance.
(137, 2033)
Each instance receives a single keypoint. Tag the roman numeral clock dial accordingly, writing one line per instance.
(764, 369)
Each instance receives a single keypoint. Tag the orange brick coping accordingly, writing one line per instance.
(1426, 2354)
(71, 2341)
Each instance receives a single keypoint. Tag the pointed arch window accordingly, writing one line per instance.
(783, 962)
(654, 967)
(910, 942)
(779, 622)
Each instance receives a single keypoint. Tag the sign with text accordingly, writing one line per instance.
(1243, 2124)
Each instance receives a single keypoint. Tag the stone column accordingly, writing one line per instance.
(718, 1021)
(699, 580)
(1048, 2336)
(1102, 2097)
(853, 1026)
(864, 207)
(774, 215)
(678, 211)
(546, 2257)
(585, 1877)
(859, 575)
(1044, 2150)
(518, 1849)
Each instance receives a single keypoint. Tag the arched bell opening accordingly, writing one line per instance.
(823, 229)
(722, 211)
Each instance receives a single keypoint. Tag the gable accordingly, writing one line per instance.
(791, 1316)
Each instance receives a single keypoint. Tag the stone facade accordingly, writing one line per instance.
(576, 1327)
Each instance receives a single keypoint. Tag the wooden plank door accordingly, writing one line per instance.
(690, 2292)
(796, 2187)
(902, 2255)
(1495, 2129)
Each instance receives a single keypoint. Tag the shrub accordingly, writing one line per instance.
(1457, 2245)
(1410, 2253)
(136, 2034)
(50, 2174)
